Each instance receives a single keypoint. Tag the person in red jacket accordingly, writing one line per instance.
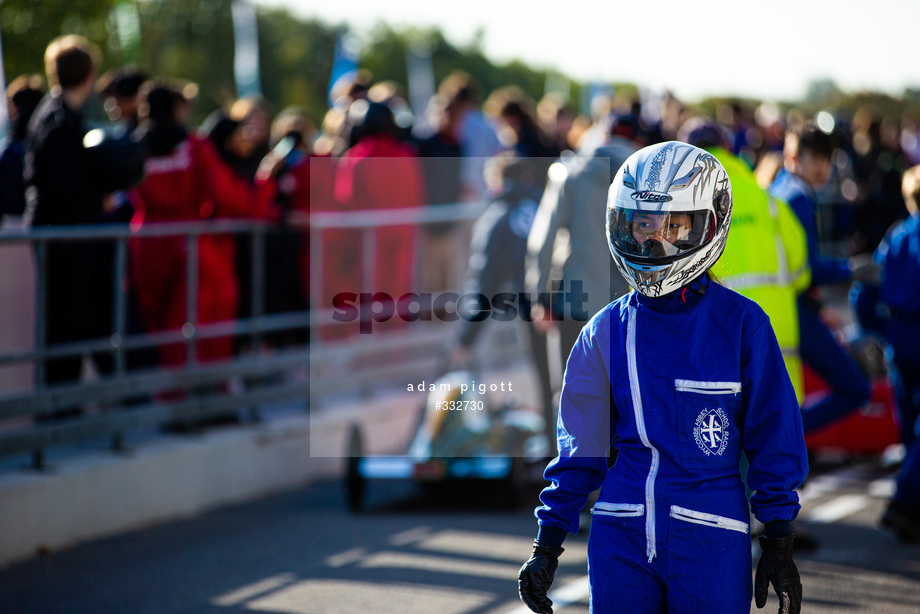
(380, 172)
(183, 182)
(231, 146)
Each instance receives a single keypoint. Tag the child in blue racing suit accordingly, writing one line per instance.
(686, 376)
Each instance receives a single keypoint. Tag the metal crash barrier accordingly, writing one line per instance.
(127, 399)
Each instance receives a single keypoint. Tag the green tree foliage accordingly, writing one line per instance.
(883, 104)
(296, 61)
(29, 25)
(193, 40)
(384, 54)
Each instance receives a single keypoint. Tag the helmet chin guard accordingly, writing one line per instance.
(668, 214)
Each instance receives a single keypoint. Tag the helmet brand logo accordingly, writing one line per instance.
(648, 195)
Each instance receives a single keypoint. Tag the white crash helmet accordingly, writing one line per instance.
(668, 213)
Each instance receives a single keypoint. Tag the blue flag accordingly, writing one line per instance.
(345, 63)
(246, 53)
(421, 83)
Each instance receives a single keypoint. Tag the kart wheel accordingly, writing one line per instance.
(355, 484)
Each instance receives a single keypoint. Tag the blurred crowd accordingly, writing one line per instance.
(538, 250)
(372, 152)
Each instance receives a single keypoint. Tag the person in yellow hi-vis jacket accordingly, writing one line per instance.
(770, 268)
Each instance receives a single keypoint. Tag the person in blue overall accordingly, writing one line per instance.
(684, 376)
(807, 166)
(892, 308)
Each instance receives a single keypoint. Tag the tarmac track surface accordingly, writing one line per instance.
(451, 550)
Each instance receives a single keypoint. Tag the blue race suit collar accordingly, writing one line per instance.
(679, 300)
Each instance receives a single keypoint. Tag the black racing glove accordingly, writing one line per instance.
(777, 568)
(536, 576)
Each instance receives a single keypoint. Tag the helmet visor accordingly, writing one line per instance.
(654, 236)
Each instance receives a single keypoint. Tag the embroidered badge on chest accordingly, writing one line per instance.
(711, 431)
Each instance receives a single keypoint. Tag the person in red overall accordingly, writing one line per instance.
(233, 144)
(380, 172)
(341, 262)
(183, 182)
(339, 267)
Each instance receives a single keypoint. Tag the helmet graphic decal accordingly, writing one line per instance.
(654, 175)
(688, 273)
(687, 179)
(712, 181)
(679, 152)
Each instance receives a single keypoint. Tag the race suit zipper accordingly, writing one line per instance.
(620, 510)
(643, 435)
(709, 520)
(686, 385)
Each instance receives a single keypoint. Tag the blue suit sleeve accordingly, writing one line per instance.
(773, 439)
(584, 435)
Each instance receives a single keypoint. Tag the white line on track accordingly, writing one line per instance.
(838, 508)
(249, 591)
(442, 564)
(883, 488)
(828, 482)
(411, 536)
(346, 558)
